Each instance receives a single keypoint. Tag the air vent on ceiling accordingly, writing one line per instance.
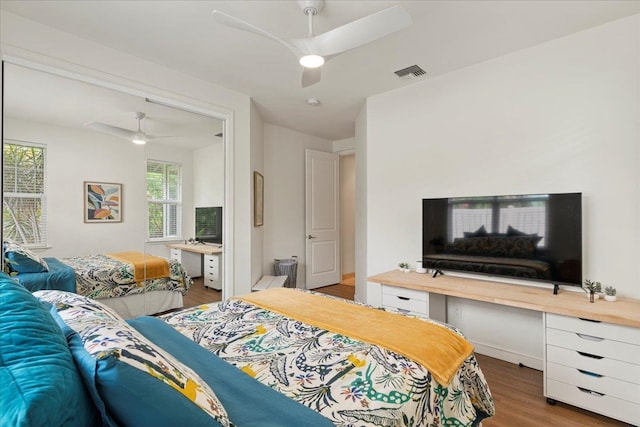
(410, 72)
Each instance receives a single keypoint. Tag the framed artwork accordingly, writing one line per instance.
(102, 202)
(258, 199)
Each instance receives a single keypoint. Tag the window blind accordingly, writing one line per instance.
(164, 199)
(24, 202)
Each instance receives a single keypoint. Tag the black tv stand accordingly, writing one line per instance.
(436, 272)
(556, 288)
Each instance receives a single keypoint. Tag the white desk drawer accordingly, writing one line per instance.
(598, 329)
(594, 382)
(599, 365)
(405, 303)
(175, 254)
(405, 293)
(608, 405)
(596, 346)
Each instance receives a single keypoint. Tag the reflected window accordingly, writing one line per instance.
(524, 214)
(24, 203)
(164, 200)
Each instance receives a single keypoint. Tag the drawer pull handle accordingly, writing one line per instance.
(403, 298)
(591, 374)
(589, 320)
(591, 392)
(593, 356)
(589, 337)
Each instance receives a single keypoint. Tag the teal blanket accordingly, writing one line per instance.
(247, 402)
(60, 277)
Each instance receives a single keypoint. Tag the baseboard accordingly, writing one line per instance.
(508, 356)
(348, 276)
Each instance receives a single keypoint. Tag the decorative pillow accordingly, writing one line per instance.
(22, 260)
(480, 232)
(138, 382)
(41, 385)
(512, 232)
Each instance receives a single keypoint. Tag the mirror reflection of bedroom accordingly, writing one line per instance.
(101, 190)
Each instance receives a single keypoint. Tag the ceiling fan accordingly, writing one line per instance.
(314, 50)
(136, 136)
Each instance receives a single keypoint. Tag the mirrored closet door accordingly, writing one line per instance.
(89, 170)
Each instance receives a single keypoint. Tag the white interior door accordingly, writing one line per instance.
(322, 207)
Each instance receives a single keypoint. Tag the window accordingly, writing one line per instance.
(526, 213)
(164, 200)
(24, 204)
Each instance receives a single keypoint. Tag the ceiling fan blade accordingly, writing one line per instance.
(154, 137)
(111, 130)
(239, 24)
(356, 33)
(310, 76)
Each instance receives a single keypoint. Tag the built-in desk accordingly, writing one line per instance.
(209, 262)
(625, 311)
(591, 350)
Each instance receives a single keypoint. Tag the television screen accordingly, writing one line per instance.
(532, 236)
(209, 224)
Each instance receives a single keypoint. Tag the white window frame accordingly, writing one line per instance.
(166, 202)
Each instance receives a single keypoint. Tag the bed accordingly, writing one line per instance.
(132, 283)
(253, 366)
(274, 336)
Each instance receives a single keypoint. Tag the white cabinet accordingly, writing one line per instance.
(213, 271)
(189, 260)
(413, 301)
(593, 365)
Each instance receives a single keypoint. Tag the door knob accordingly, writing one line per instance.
(311, 237)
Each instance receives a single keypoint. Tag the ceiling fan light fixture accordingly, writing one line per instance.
(311, 61)
(139, 138)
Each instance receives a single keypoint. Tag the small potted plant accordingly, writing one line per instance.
(592, 288)
(404, 266)
(610, 293)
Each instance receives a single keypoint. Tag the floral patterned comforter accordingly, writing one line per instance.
(351, 382)
(100, 276)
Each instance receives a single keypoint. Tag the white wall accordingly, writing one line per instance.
(257, 164)
(74, 156)
(208, 175)
(362, 271)
(284, 188)
(27, 40)
(558, 117)
(347, 213)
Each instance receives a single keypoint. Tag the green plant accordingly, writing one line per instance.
(610, 290)
(592, 287)
(404, 265)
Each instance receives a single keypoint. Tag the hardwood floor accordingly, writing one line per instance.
(517, 391)
(199, 294)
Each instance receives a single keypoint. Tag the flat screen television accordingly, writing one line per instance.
(528, 236)
(209, 224)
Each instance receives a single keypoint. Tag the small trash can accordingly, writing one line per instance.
(287, 267)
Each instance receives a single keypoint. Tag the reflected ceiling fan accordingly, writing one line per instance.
(136, 136)
(314, 50)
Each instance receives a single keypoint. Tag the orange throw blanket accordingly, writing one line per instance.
(435, 347)
(145, 266)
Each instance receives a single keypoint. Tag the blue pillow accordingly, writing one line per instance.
(40, 384)
(133, 381)
(22, 260)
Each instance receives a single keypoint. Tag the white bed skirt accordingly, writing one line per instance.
(131, 306)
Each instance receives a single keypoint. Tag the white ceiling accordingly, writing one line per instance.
(445, 36)
(42, 97)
